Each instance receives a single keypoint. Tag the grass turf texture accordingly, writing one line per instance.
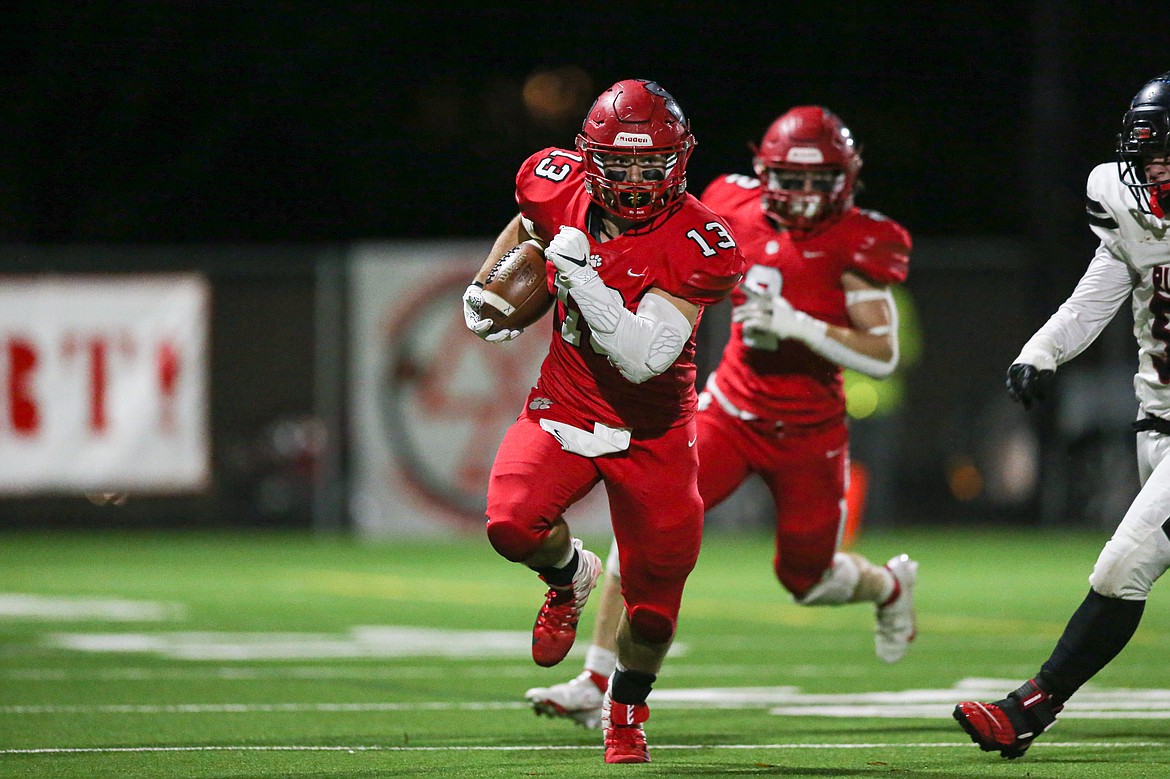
(991, 604)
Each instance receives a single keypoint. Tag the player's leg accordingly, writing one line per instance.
(658, 523)
(1133, 559)
(722, 468)
(807, 476)
(532, 482)
(723, 444)
(580, 698)
(601, 657)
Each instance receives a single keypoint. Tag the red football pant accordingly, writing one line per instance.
(654, 503)
(806, 475)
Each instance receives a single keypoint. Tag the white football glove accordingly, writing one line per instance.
(472, 303)
(774, 315)
(569, 253)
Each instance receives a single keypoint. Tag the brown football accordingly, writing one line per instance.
(515, 288)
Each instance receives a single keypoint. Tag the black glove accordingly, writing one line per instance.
(1026, 384)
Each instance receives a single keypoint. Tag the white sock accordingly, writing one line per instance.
(600, 661)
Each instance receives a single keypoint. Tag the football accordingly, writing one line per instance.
(515, 288)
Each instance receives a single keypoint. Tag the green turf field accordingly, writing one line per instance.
(147, 655)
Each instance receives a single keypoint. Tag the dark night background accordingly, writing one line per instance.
(261, 134)
(285, 121)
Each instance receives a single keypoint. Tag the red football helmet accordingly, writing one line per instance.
(807, 165)
(631, 121)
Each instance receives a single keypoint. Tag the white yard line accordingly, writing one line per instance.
(574, 747)
(492, 668)
(911, 706)
(1091, 703)
(27, 606)
(238, 673)
(252, 708)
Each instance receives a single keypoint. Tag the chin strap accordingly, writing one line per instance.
(1156, 196)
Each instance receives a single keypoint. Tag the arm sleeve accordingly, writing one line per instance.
(640, 345)
(841, 354)
(814, 334)
(1080, 319)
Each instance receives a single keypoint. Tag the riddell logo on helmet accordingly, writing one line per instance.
(803, 155)
(633, 139)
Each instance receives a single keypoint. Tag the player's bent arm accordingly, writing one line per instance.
(870, 344)
(515, 232)
(1107, 283)
(640, 345)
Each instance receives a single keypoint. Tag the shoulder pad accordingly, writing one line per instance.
(1100, 193)
(715, 276)
(879, 249)
(529, 165)
(733, 181)
(539, 182)
(729, 190)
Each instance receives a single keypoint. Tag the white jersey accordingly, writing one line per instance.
(1133, 260)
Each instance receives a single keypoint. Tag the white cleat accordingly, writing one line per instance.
(896, 626)
(578, 699)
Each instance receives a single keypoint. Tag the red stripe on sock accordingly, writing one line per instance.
(896, 592)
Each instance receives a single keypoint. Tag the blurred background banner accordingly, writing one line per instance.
(104, 384)
(429, 403)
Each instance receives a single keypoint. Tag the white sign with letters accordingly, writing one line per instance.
(103, 383)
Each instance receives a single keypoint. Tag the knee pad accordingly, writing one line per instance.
(651, 625)
(1113, 579)
(1127, 570)
(836, 585)
(513, 540)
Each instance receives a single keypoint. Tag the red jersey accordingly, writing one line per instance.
(691, 254)
(783, 379)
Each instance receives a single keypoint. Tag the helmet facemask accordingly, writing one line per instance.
(800, 198)
(636, 143)
(634, 184)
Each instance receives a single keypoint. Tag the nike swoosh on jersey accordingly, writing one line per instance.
(812, 255)
(691, 442)
(630, 272)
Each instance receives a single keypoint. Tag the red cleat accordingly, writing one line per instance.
(555, 629)
(1008, 726)
(625, 740)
